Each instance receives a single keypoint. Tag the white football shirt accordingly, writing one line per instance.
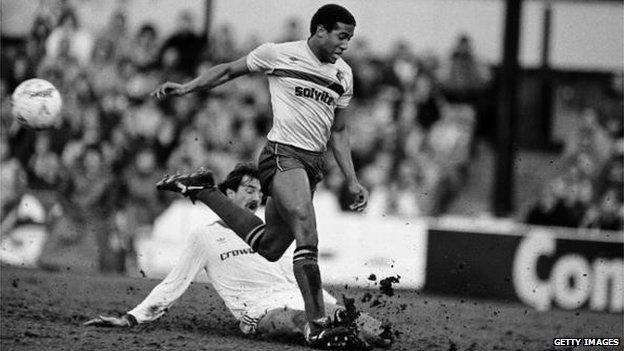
(248, 283)
(304, 92)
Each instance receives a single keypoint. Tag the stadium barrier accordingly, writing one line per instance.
(356, 247)
(541, 267)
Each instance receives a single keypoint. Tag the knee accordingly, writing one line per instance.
(270, 254)
(302, 214)
(282, 321)
(272, 257)
(302, 223)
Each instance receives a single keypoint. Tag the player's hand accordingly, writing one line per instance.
(168, 88)
(359, 194)
(104, 321)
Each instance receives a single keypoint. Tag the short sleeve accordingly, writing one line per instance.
(345, 98)
(262, 58)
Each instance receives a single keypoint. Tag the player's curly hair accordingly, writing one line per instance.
(235, 177)
(328, 16)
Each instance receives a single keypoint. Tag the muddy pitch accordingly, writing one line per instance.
(45, 311)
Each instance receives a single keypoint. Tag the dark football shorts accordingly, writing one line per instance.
(276, 157)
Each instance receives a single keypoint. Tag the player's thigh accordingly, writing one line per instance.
(277, 235)
(292, 197)
(282, 321)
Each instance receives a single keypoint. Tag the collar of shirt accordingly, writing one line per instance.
(316, 59)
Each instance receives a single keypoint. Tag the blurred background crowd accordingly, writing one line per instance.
(417, 121)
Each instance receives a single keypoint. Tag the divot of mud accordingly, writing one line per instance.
(385, 285)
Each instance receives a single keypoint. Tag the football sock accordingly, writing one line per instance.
(308, 275)
(244, 223)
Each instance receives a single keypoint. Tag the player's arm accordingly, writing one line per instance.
(213, 77)
(341, 147)
(127, 320)
(167, 292)
(156, 303)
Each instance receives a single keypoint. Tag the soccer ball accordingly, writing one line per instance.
(37, 104)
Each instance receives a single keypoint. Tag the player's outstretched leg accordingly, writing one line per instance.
(200, 185)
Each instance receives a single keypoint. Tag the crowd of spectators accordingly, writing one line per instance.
(414, 121)
(588, 192)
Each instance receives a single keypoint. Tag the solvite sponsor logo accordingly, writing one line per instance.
(573, 280)
(317, 95)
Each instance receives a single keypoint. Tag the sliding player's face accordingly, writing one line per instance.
(336, 42)
(248, 194)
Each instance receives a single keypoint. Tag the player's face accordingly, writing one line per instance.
(336, 42)
(248, 194)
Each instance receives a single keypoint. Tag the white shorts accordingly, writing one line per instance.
(290, 299)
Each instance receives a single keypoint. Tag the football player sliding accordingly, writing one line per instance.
(263, 296)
